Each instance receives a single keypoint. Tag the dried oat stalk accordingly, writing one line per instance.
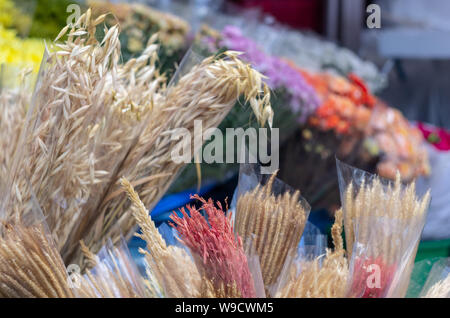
(272, 225)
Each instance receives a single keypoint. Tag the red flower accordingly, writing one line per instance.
(438, 137)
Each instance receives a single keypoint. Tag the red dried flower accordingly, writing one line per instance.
(214, 241)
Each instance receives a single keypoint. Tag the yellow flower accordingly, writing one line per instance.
(20, 52)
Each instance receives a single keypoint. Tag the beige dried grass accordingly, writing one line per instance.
(386, 221)
(171, 266)
(30, 265)
(272, 225)
(14, 102)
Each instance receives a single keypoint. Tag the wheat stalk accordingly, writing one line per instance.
(172, 267)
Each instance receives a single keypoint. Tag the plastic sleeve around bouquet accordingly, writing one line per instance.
(30, 264)
(273, 216)
(383, 221)
(114, 275)
(437, 284)
(315, 272)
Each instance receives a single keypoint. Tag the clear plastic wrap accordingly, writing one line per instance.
(383, 221)
(114, 275)
(437, 284)
(316, 272)
(272, 216)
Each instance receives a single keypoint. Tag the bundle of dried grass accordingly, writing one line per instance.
(386, 221)
(439, 290)
(30, 265)
(218, 253)
(272, 225)
(323, 277)
(112, 276)
(95, 120)
(171, 266)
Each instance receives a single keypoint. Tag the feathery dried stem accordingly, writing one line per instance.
(219, 254)
(114, 276)
(172, 267)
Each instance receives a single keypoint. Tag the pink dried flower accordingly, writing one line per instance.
(214, 241)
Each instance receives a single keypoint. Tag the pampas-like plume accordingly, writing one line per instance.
(324, 277)
(172, 267)
(30, 265)
(218, 252)
(272, 225)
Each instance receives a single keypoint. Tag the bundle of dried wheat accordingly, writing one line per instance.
(206, 93)
(30, 265)
(14, 103)
(386, 221)
(323, 277)
(272, 225)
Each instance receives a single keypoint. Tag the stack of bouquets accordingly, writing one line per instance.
(251, 254)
